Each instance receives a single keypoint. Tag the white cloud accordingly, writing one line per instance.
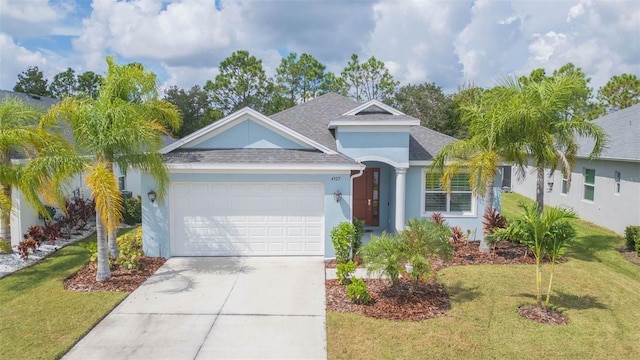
(15, 59)
(33, 17)
(446, 42)
(578, 10)
(543, 46)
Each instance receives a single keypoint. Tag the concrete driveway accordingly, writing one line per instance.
(218, 308)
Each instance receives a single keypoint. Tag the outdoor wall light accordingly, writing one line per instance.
(550, 186)
(152, 196)
(337, 196)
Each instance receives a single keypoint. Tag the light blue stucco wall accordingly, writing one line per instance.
(156, 217)
(247, 135)
(393, 146)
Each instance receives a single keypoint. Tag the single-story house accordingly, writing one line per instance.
(606, 190)
(251, 184)
(23, 215)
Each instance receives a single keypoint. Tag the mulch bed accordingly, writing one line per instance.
(543, 316)
(430, 300)
(426, 301)
(121, 279)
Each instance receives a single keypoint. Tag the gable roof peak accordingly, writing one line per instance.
(373, 106)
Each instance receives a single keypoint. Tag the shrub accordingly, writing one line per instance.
(457, 235)
(357, 292)
(422, 240)
(77, 214)
(130, 246)
(342, 239)
(357, 237)
(382, 255)
(632, 235)
(493, 220)
(437, 218)
(27, 246)
(36, 234)
(344, 272)
(132, 213)
(51, 231)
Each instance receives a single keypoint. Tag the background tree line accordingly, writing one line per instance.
(242, 82)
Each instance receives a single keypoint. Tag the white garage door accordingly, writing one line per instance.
(219, 219)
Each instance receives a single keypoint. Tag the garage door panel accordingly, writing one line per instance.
(247, 219)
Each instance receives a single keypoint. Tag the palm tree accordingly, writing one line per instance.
(547, 232)
(123, 126)
(480, 155)
(50, 160)
(538, 112)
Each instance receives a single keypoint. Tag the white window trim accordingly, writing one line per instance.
(585, 184)
(563, 186)
(423, 213)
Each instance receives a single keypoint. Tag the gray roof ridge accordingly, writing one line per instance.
(296, 107)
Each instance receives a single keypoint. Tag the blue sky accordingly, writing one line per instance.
(446, 42)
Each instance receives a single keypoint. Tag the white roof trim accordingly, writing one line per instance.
(239, 116)
(404, 122)
(177, 167)
(371, 103)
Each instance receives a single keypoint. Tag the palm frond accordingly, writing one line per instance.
(106, 194)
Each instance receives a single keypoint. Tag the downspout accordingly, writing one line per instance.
(361, 171)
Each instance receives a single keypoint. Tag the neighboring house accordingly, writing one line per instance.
(22, 214)
(250, 184)
(605, 191)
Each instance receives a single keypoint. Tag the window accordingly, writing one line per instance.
(589, 184)
(459, 201)
(121, 182)
(565, 186)
(616, 176)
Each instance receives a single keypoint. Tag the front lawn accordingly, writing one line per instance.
(41, 320)
(597, 289)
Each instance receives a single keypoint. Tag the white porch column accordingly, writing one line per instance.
(401, 174)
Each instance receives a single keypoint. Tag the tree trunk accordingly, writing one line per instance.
(540, 187)
(5, 215)
(104, 273)
(112, 243)
(488, 205)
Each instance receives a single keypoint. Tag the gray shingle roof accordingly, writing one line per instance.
(425, 143)
(256, 156)
(35, 100)
(623, 135)
(312, 118)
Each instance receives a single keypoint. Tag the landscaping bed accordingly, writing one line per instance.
(121, 279)
(426, 300)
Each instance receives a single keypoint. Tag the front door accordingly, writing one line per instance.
(366, 197)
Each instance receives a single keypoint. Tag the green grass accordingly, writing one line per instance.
(41, 320)
(597, 289)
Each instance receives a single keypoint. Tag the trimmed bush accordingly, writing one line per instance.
(357, 237)
(357, 292)
(344, 272)
(342, 239)
(632, 235)
(130, 246)
(132, 213)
